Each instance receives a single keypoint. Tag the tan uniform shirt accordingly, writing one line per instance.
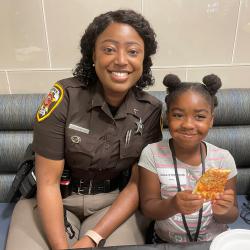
(75, 123)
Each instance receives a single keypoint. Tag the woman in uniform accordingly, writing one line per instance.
(93, 127)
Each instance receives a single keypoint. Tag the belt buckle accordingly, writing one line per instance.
(81, 189)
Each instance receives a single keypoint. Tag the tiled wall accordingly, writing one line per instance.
(40, 39)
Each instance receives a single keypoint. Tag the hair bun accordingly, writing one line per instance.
(171, 81)
(212, 82)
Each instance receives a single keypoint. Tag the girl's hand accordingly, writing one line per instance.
(187, 203)
(223, 202)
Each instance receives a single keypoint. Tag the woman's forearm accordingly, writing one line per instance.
(123, 207)
(50, 208)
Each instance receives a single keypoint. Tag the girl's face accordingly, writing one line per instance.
(118, 58)
(189, 119)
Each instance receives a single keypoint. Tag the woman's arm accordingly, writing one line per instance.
(123, 207)
(50, 207)
(153, 206)
(225, 207)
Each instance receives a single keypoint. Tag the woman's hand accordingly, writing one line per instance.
(187, 203)
(223, 202)
(84, 242)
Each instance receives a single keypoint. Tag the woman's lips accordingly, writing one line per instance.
(119, 76)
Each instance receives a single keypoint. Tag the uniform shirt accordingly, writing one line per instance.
(79, 127)
(157, 158)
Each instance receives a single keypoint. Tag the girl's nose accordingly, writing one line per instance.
(188, 123)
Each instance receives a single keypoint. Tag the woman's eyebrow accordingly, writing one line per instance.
(117, 42)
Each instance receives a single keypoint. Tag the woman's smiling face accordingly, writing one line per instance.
(118, 58)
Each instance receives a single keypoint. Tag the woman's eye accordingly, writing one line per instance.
(133, 52)
(177, 115)
(108, 50)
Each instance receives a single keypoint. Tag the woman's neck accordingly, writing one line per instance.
(114, 100)
(191, 156)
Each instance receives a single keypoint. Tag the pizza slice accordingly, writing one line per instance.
(213, 181)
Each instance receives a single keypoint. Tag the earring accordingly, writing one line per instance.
(93, 65)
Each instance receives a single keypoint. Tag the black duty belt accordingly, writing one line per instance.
(94, 187)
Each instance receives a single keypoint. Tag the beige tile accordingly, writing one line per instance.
(160, 73)
(66, 25)
(4, 88)
(242, 52)
(35, 81)
(231, 77)
(22, 43)
(193, 32)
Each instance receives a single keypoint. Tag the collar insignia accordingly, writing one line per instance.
(139, 128)
(135, 111)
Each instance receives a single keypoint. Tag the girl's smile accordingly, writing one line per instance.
(189, 119)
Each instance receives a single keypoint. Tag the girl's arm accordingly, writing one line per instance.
(123, 207)
(155, 207)
(50, 207)
(225, 207)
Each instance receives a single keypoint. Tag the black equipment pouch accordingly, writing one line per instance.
(65, 183)
(24, 183)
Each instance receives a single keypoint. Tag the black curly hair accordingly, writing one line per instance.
(208, 89)
(85, 71)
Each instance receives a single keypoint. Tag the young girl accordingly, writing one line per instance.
(179, 215)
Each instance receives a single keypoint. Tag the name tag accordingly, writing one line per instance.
(78, 128)
(171, 179)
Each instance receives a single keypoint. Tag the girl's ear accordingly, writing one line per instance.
(212, 121)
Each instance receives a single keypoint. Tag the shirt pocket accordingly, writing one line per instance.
(130, 152)
(132, 148)
(80, 149)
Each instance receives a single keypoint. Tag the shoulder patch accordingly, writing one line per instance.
(50, 102)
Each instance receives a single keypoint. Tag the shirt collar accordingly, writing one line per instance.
(128, 106)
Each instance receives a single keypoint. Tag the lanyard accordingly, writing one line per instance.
(191, 239)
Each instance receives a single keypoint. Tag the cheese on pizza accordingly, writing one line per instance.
(213, 181)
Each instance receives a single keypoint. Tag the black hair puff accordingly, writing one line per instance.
(172, 82)
(212, 82)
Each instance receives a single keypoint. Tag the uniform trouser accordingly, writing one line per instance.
(83, 212)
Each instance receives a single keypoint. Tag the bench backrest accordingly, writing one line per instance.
(231, 131)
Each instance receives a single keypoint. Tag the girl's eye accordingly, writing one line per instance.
(200, 117)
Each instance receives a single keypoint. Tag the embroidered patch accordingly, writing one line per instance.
(50, 102)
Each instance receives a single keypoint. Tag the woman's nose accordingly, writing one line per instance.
(121, 58)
